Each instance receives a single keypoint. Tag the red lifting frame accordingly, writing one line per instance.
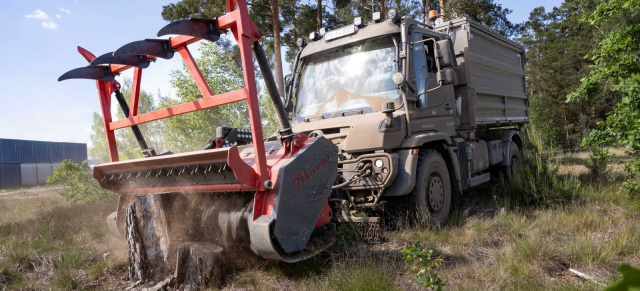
(245, 33)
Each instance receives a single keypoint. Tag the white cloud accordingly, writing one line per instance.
(49, 24)
(38, 14)
(67, 11)
(58, 16)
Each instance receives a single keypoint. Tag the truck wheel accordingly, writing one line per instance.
(432, 195)
(515, 161)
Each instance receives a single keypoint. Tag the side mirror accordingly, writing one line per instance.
(446, 76)
(444, 54)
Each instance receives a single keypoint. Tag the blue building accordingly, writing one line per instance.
(27, 162)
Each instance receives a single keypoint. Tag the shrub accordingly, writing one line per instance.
(537, 181)
(79, 184)
(599, 161)
(424, 262)
(630, 279)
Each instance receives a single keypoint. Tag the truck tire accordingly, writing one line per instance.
(430, 199)
(515, 161)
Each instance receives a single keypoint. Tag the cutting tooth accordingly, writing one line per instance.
(138, 176)
(102, 73)
(195, 170)
(198, 27)
(112, 176)
(159, 173)
(160, 48)
(140, 61)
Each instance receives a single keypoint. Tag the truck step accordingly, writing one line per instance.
(479, 179)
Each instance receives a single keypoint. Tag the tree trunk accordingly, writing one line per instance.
(426, 6)
(442, 11)
(383, 9)
(319, 14)
(279, 78)
(566, 120)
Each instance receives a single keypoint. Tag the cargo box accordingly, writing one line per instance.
(492, 67)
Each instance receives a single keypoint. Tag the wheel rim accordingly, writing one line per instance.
(435, 193)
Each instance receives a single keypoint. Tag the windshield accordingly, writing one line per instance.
(349, 80)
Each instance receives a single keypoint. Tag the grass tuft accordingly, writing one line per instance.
(536, 182)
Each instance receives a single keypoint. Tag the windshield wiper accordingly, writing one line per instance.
(348, 112)
(318, 117)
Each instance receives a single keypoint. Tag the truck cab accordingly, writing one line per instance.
(397, 96)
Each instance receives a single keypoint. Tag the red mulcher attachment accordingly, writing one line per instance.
(269, 197)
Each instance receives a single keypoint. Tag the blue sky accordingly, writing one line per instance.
(38, 44)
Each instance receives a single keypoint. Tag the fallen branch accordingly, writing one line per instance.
(161, 285)
(134, 285)
(584, 276)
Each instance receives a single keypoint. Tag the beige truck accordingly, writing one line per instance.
(419, 112)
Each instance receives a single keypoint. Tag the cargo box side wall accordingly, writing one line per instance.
(494, 67)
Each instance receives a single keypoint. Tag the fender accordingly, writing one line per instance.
(418, 140)
(405, 181)
(507, 137)
(448, 147)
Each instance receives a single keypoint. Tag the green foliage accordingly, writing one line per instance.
(615, 69)
(556, 43)
(630, 279)
(192, 131)
(599, 161)
(486, 12)
(424, 262)
(127, 144)
(99, 149)
(79, 184)
(536, 182)
(345, 236)
(128, 147)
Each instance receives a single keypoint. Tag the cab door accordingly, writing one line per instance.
(433, 109)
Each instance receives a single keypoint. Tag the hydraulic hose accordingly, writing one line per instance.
(285, 127)
(136, 130)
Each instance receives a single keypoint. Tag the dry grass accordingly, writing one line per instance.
(48, 243)
(576, 164)
(45, 242)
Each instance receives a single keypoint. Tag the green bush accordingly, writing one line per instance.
(79, 184)
(537, 181)
(425, 264)
(599, 160)
(630, 279)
